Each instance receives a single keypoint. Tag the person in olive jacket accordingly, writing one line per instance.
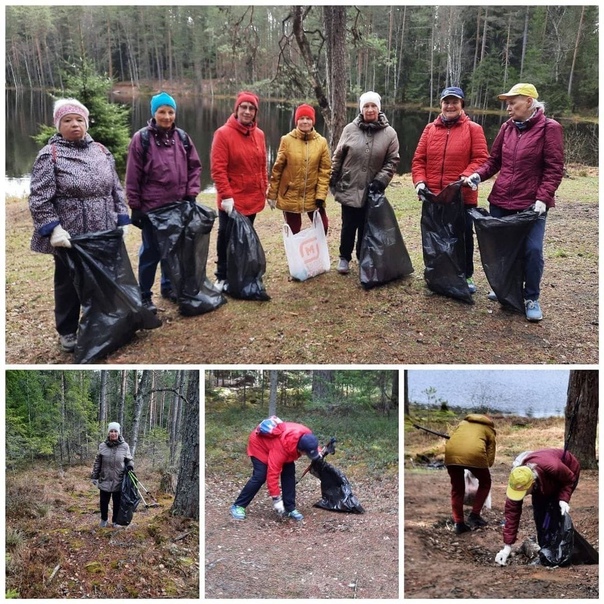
(471, 447)
(300, 176)
(112, 460)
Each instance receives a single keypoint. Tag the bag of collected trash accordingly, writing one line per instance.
(307, 253)
(555, 534)
(383, 255)
(444, 243)
(501, 245)
(471, 488)
(583, 551)
(246, 263)
(110, 298)
(336, 491)
(182, 232)
(130, 498)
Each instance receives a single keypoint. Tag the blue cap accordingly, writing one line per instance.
(163, 98)
(452, 91)
(309, 443)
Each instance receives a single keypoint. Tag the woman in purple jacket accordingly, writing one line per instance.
(528, 153)
(163, 167)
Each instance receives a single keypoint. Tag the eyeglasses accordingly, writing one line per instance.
(249, 108)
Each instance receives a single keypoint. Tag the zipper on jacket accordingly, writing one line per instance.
(305, 178)
(442, 170)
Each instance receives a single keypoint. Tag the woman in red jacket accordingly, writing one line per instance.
(450, 147)
(239, 172)
(273, 456)
(528, 153)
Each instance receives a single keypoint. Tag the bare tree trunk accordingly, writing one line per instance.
(394, 397)
(123, 392)
(577, 40)
(322, 385)
(175, 416)
(406, 392)
(524, 40)
(103, 403)
(139, 401)
(272, 401)
(581, 417)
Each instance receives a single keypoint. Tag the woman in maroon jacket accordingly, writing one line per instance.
(528, 153)
(273, 456)
(450, 147)
(548, 474)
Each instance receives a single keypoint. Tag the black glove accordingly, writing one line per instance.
(320, 203)
(376, 186)
(130, 467)
(137, 218)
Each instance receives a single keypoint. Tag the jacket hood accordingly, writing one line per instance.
(304, 136)
(379, 124)
(57, 139)
(479, 419)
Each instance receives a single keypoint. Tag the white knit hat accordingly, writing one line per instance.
(64, 107)
(114, 426)
(370, 97)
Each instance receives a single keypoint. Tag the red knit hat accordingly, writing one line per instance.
(305, 111)
(244, 96)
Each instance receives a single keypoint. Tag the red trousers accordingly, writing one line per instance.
(458, 488)
(295, 220)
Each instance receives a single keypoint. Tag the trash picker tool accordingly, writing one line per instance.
(330, 447)
(441, 434)
(139, 485)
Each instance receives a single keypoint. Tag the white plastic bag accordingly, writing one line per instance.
(472, 488)
(306, 251)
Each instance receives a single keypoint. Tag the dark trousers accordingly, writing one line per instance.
(222, 243)
(469, 237)
(254, 484)
(148, 258)
(67, 302)
(353, 226)
(458, 489)
(533, 252)
(105, 497)
(295, 220)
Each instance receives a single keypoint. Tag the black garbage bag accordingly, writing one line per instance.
(110, 298)
(182, 231)
(501, 244)
(336, 491)
(583, 551)
(246, 263)
(444, 243)
(129, 501)
(383, 255)
(555, 535)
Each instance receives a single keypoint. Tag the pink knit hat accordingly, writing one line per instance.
(64, 107)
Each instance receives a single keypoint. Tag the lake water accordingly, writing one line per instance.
(530, 393)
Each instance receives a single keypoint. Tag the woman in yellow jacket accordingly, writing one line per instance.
(300, 176)
(472, 447)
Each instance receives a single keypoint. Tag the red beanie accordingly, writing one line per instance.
(244, 96)
(305, 111)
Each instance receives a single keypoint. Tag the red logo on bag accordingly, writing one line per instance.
(309, 250)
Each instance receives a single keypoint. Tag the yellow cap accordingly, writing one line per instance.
(522, 90)
(521, 480)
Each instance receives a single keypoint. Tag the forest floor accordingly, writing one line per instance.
(440, 564)
(52, 523)
(331, 319)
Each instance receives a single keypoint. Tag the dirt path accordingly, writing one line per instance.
(440, 564)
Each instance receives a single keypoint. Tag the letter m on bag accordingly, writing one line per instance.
(309, 250)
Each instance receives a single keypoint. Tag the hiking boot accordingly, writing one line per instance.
(219, 285)
(343, 267)
(533, 310)
(295, 515)
(238, 512)
(476, 520)
(461, 527)
(471, 285)
(169, 294)
(68, 342)
(492, 296)
(149, 305)
(103, 524)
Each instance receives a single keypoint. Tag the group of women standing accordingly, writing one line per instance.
(75, 188)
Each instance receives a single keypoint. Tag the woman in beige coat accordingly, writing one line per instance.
(470, 447)
(300, 176)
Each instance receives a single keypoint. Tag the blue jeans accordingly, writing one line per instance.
(533, 252)
(148, 259)
(254, 484)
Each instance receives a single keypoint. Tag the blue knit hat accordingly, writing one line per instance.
(163, 98)
(309, 444)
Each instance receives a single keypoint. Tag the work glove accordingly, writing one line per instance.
(320, 203)
(540, 207)
(124, 228)
(95, 482)
(420, 187)
(278, 505)
(272, 203)
(376, 186)
(502, 557)
(130, 467)
(564, 507)
(137, 218)
(60, 237)
(227, 205)
(471, 181)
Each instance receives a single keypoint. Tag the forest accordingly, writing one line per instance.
(407, 53)
(55, 421)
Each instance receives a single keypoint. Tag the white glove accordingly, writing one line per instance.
(125, 229)
(227, 205)
(420, 186)
(272, 203)
(60, 237)
(471, 181)
(564, 507)
(278, 505)
(502, 557)
(540, 207)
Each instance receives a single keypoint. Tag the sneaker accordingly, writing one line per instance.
(219, 285)
(169, 294)
(149, 305)
(295, 515)
(461, 527)
(118, 526)
(238, 512)
(533, 310)
(492, 296)
(471, 285)
(103, 524)
(476, 520)
(68, 342)
(343, 267)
